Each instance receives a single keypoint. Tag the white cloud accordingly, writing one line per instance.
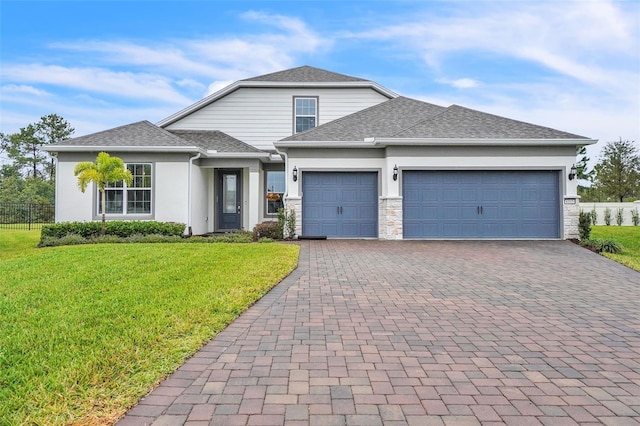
(22, 89)
(461, 83)
(578, 39)
(98, 80)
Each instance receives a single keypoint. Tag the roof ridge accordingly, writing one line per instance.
(512, 119)
(179, 139)
(423, 120)
(104, 131)
(214, 131)
(278, 75)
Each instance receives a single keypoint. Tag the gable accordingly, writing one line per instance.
(260, 116)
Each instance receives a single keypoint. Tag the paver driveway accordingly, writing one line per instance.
(374, 332)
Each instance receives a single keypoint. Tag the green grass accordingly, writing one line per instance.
(17, 243)
(628, 237)
(85, 331)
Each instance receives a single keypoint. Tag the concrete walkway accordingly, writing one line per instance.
(421, 333)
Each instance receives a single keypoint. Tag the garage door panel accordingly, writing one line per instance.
(514, 204)
(340, 204)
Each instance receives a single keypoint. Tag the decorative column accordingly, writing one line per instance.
(571, 209)
(390, 218)
(295, 204)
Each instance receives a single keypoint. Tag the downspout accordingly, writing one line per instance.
(191, 160)
(286, 175)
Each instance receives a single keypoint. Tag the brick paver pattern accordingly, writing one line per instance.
(422, 333)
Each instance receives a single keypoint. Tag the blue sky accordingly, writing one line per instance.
(571, 65)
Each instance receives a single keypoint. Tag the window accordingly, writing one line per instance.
(133, 199)
(275, 190)
(306, 113)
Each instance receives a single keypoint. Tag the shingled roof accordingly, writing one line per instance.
(139, 134)
(305, 74)
(214, 140)
(412, 119)
(382, 120)
(144, 134)
(464, 123)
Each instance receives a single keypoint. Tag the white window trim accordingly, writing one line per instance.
(125, 188)
(296, 115)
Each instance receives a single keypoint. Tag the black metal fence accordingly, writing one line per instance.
(25, 216)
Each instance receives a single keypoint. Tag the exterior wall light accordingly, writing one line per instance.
(294, 176)
(395, 172)
(573, 173)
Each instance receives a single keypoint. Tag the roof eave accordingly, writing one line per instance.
(93, 148)
(380, 142)
(284, 145)
(267, 84)
(216, 154)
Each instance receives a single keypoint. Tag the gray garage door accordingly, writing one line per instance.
(342, 205)
(481, 204)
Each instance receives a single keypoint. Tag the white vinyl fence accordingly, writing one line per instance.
(627, 210)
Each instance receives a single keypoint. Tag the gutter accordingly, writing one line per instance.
(124, 148)
(384, 142)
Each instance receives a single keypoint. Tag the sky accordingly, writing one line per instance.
(572, 65)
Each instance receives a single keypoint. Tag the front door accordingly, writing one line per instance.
(228, 199)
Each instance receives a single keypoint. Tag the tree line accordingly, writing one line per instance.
(615, 178)
(29, 176)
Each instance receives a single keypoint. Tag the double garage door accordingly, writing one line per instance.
(436, 204)
(481, 204)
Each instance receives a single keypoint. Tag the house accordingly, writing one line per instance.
(352, 158)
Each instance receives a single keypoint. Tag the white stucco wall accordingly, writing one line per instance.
(171, 192)
(71, 204)
(201, 196)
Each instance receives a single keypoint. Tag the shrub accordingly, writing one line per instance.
(282, 219)
(607, 246)
(291, 223)
(232, 237)
(607, 216)
(619, 216)
(635, 217)
(594, 216)
(267, 230)
(116, 228)
(584, 225)
(67, 240)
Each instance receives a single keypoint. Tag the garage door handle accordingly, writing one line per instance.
(338, 210)
(481, 212)
(478, 209)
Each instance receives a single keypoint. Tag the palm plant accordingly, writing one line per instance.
(105, 170)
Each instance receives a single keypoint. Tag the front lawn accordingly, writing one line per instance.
(628, 237)
(85, 331)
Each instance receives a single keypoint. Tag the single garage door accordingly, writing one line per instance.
(340, 205)
(481, 204)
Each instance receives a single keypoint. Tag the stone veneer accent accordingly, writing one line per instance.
(295, 204)
(571, 207)
(390, 218)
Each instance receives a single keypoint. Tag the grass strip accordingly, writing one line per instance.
(628, 237)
